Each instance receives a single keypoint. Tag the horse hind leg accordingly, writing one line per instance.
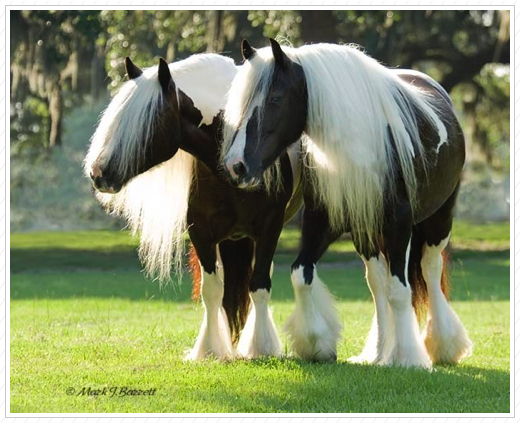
(445, 337)
(407, 348)
(381, 334)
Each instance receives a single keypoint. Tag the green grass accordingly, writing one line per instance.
(82, 315)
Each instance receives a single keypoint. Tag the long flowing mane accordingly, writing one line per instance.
(361, 126)
(155, 203)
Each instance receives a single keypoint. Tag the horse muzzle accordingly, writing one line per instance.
(238, 173)
(102, 185)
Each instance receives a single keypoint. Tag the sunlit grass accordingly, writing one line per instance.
(82, 315)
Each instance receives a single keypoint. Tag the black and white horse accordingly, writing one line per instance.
(154, 159)
(384, 156)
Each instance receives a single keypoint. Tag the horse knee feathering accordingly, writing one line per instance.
(384, 154)
(154, 160)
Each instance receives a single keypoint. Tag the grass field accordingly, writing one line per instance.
(83, 316)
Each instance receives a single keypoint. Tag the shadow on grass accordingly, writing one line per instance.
(64, 273)
(65, 259)
(343, 388)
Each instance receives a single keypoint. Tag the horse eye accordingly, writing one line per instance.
(275, 100)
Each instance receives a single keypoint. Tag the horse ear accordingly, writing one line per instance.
(165, 76)
(247, 50)
(280, 58)
(132, 70)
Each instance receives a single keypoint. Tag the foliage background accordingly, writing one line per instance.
(65, 64)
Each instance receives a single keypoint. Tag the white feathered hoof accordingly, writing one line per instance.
(312, 346)
(199, 354)
(267, 344)
(313, 328)
(367, 356)
(362, 359)
(396, 355)
(446, 340)
(214, 339)
(407, 356)
(259, 337)
(411, 353)
(405, 348)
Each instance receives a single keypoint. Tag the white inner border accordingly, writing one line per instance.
(266, 7)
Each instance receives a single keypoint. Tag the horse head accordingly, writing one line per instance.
(139, 130)
(266, 112)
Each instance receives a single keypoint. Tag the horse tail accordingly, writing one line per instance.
(196, 275)
(237, 257)
(415, 274)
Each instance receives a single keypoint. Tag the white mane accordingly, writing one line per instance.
(155, 203)
(353, 103)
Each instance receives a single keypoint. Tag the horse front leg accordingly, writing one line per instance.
(313, 327)
(259, 336)
(214, 338)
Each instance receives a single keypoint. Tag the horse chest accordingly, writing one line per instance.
(226, 212)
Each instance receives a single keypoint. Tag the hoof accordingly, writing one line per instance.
(447, 344)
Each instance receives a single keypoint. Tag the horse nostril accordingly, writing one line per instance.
(240, 169)
(98, 181)
(95, 171)
(102, 185)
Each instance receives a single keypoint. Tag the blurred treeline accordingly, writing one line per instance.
(65, 64)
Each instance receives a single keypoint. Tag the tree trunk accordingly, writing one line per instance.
(56, 113)
(215, 38)
(242, 29)
(170, 51)
(318, 26)
(477, 146)
(98, 88)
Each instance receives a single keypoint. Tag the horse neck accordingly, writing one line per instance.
(201, 142)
